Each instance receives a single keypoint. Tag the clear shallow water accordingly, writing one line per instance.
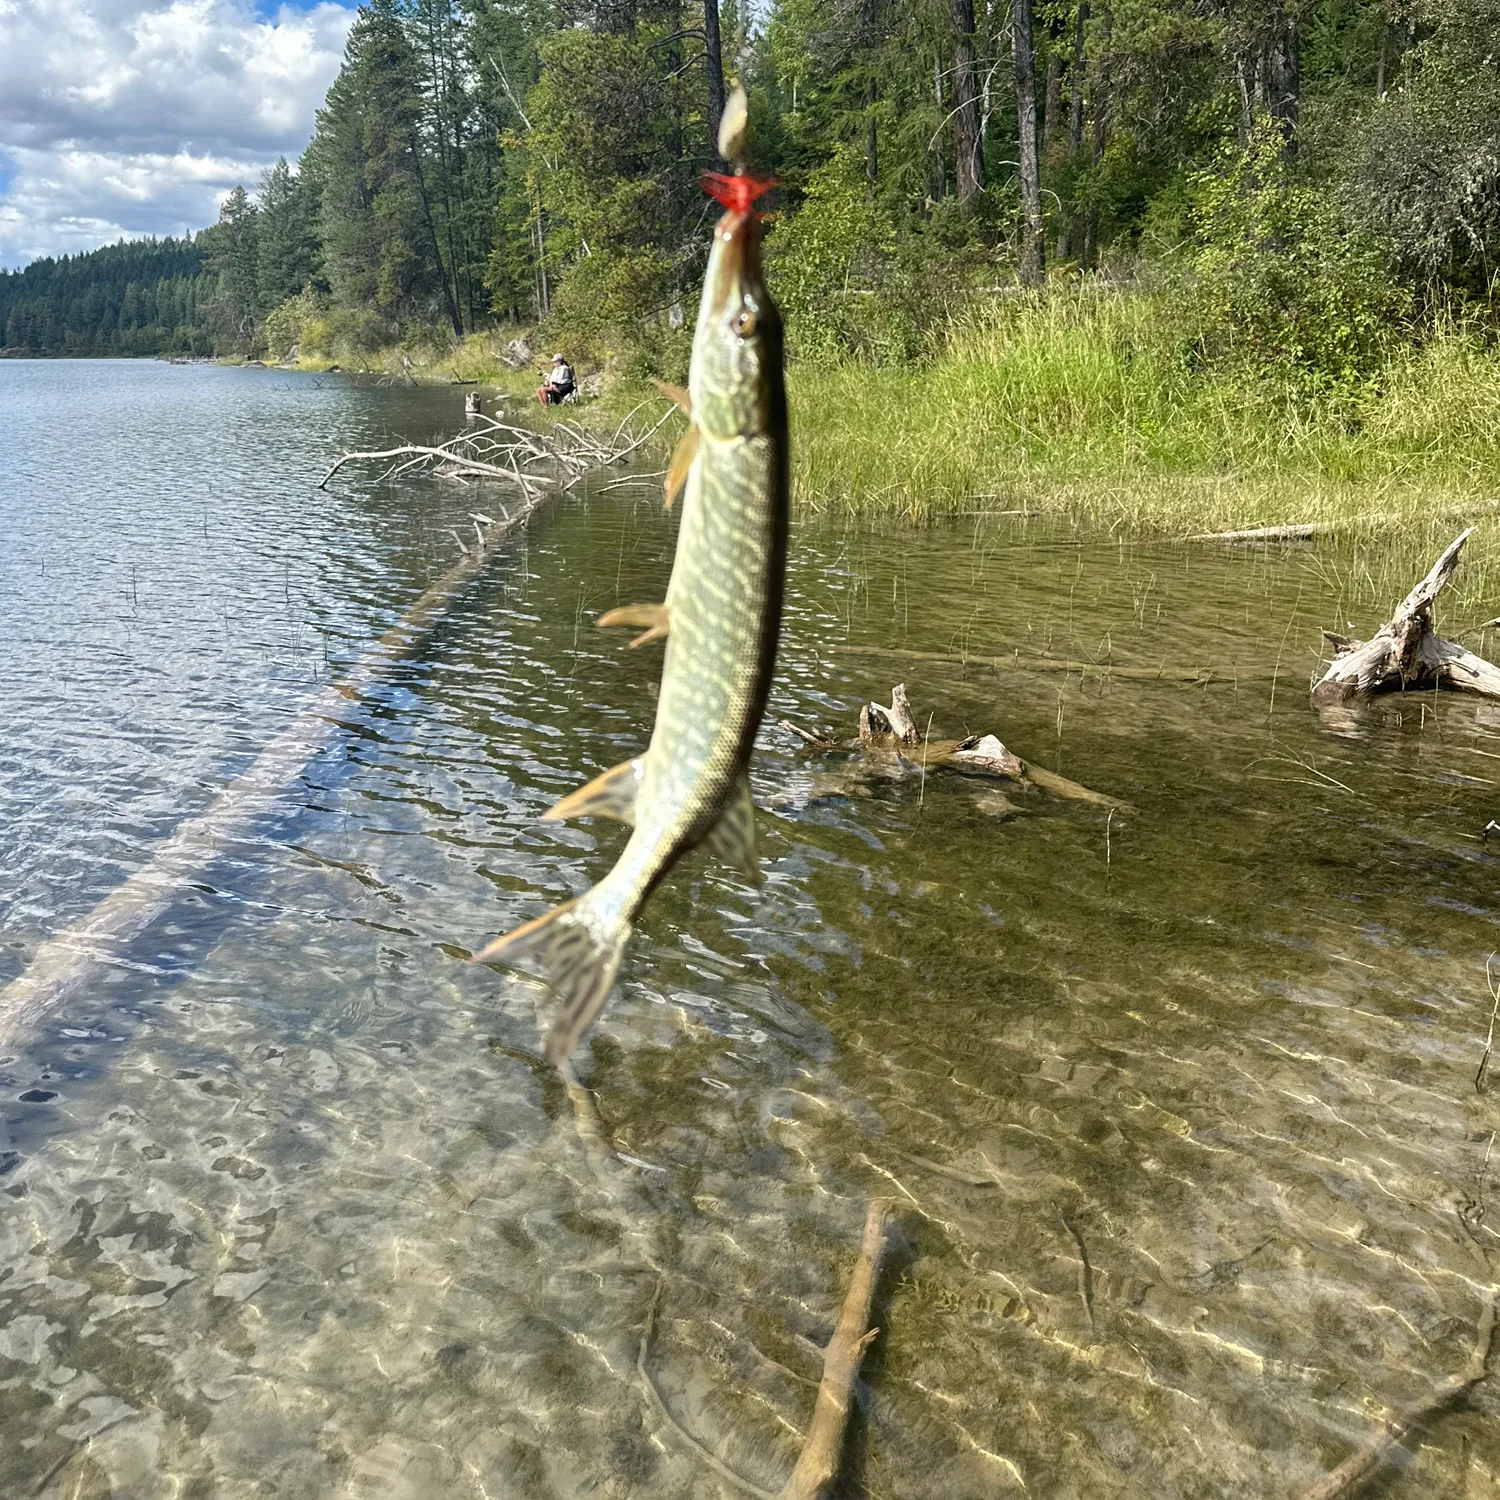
(305, 1215)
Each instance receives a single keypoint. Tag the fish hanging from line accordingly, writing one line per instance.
(721, 620)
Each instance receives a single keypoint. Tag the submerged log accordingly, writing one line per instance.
(1300, 533)
(1406, 652)
(891, 735)
(68, 964)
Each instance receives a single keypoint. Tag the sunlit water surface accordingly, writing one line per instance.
(1175, 1105)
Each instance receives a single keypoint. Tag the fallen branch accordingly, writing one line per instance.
(1406, 652)
(1381, 1449)
(1041, 664)
(1265, 534)
(893, 732)
(818, 1464)
(494, 449)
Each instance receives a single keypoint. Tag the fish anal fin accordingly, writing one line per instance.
(611, 795)
(732, 838)
(676, 395)
(576, 955)
(652, 616)
(682, 460)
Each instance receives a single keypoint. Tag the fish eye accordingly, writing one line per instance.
(744, 322)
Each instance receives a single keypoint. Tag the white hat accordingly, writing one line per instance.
(557, 359)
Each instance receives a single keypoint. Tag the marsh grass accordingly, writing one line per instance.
(1091, 403)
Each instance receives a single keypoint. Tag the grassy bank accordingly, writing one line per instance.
(1087, 404)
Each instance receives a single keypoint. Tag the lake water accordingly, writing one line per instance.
(1175, 1105)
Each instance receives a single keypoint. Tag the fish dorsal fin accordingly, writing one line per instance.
(732, 838)
(682, 460)
(676, 395)
(652, 616)
(611, 795)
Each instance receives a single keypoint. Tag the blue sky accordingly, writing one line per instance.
(121, 118)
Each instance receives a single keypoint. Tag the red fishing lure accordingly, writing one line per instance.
(738, 193)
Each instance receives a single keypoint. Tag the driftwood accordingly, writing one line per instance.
(491, 449)
(1300, 533)
(892, 733)
(818, 1465)
(1021, 663)
(1409, 1421)
(1406, 652)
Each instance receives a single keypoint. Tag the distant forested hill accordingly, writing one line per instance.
(142, 297)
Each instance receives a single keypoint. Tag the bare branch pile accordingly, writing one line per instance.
(531, 460)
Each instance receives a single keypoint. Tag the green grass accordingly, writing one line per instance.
(1085, 403)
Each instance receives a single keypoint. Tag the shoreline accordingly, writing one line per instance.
(1111, 441)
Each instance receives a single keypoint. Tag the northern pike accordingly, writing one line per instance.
(721, 619)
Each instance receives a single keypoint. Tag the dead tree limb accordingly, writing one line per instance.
(408, 450)
(1410, 1420)
(892, 734)
(1406, 652)
(1299, 533)
(1017, 662)
(818, 1464)
(493, 451)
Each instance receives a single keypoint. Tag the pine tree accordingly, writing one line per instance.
(234, 256)
(287, 249)
(375, 220)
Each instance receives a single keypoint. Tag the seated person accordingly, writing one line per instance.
(557, 383)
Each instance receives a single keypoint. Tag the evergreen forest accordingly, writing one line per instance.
(1301, 184)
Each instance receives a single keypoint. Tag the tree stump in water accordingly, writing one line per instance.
(473, 407)
(1406, 652)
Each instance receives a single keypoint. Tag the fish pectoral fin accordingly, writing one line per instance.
(576, 955)
(676, 395)
(652, 616)
(682, 460)
(611, 795)
(732, 838)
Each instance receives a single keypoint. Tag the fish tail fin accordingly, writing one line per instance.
(576, 951)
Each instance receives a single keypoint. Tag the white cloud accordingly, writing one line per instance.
(128, 117)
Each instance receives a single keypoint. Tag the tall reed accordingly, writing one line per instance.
(1091, 402)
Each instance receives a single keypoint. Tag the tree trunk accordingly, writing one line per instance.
(1033, 245)
(616, 17)
(1052, 110)
(1380, 66)
(674, 133)
(1406, 652)
(1101, 135)
(1283, 73)
(937, 188)
(867, 38)
(713, 62)
(969, 160)
(1076, 78)
(1076, 69)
